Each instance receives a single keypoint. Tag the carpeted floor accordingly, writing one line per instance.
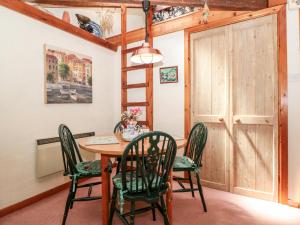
(223, 209)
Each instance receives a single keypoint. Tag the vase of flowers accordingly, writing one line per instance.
(130, 122)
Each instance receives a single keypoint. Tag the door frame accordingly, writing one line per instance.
(282, 85)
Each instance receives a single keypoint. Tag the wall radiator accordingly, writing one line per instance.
(49, 156)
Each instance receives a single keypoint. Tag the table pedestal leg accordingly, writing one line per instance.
(169, 199)
(105, 189)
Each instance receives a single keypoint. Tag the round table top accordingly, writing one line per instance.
(115, 149)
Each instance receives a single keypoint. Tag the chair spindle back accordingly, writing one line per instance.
(196, 143)
(147, 161)
(70, 152)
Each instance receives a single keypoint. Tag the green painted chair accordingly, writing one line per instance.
(191, 160)
(144, 176)
(119, 127)
(76, 169)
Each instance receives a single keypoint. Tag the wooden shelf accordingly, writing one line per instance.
(44, 17)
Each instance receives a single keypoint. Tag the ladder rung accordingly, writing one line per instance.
(136, 104)
(143, 123)
(138, 67)
(129, 50)
(141, 85)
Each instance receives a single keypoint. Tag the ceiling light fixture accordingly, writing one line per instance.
(146, 54)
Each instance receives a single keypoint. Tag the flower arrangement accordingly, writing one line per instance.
(130, 117)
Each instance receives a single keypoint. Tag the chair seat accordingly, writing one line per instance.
(117, 181)
(184, 163)
(91, 168)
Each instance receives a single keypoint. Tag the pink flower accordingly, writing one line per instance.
(135, 111)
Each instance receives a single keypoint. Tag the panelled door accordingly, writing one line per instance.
(254, 106)
(210, 95)
(234, 91)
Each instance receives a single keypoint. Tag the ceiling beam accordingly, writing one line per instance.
(249, 5)
(174, 25)
(79, 4)
(276, 2)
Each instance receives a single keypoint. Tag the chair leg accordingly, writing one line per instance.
(191, 184)
(164, 208)
(73, 195)
(201, 193)
(132, 212)
(153, 212)
(112, 206)
(68, 205)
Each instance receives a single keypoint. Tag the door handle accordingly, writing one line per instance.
(238, 120)
(221, 119)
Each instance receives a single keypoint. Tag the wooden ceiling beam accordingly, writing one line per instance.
(174, 25)
(191, 22)
(272, 3)
(79, 4)
(248, 5)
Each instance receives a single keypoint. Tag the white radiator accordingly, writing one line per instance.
(49, 155)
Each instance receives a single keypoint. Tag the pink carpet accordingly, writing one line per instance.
(223, 209)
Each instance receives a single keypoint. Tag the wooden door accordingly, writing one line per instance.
(210, 91)
(234, 91)
(254, 108)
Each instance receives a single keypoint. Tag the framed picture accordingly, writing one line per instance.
(294, 4)
(68, 76)
(168, 74)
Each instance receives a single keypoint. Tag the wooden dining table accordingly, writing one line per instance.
(108, 151)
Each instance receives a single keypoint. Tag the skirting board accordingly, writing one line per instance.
(293, 204)
(34, 199)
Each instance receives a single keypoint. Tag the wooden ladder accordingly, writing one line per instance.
(148, 85)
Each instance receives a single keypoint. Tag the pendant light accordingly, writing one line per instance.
(146, 54)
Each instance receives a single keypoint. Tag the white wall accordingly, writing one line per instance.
(169, 98)
(294, 103)
(24, 116)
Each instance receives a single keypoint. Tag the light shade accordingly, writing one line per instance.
(146, 55)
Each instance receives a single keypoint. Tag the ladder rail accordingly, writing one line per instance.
(148, 85)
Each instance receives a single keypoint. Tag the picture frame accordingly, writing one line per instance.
(67, 76)
(168, 75)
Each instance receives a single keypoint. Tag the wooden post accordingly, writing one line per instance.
(187, 85)
(149, 76)
(123, 58)
(283, 106)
